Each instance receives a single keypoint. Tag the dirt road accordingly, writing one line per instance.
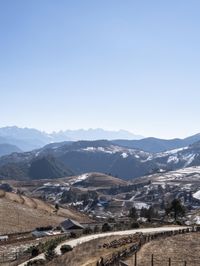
(83, 239)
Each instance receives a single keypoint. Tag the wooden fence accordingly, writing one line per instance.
(12, 257)
(157, 261)
(117, 259)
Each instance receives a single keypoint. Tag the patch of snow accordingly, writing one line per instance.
(89, 149)
(48, 184)
(37, 154)
(189, 159)
(196, 195)
(124, 155)
(140, 205)
(80, 178)
(175, 151)
(173, 159)
(77, 203)
(197, 220)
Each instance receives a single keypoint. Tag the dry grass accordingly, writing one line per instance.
(87, 254)
(2, 193)
(179, 248)
(19, 213)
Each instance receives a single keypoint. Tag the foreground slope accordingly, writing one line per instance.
(180, 248)
(19, 213)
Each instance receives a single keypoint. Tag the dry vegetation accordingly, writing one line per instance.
(19, 213)
(179, 248)
(87, 254)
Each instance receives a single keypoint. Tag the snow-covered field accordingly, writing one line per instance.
(197, 195)
(190, 174)
(124, 152)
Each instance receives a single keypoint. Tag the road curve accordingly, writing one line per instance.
(83, 239)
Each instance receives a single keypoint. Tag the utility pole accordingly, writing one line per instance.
(152, 261)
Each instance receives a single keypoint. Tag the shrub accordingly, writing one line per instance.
(179, 222)
(50, 253)
(35, 251)
(65, 248)
(35, 262)
(135, 225)
(96, 229)
(106, 227)
(73, 235)
(133, 213)
(87, 231)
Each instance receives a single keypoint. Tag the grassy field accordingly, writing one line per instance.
(20, 213)
(179, 248)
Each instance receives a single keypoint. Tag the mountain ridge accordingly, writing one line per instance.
(155, 145)
(76, 158)
(6, 149)
(29, 138)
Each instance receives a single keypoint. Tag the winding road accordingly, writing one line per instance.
(83, 239)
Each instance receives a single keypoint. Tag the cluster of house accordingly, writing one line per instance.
(68, 226)
(3, 238)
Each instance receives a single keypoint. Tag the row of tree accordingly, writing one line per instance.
(174, 209)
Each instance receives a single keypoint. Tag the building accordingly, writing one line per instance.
(70, 225)
(3, 238)
(45, 231)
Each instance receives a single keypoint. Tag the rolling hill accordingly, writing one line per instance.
(96, 180)
(155, 145)
(20, 213)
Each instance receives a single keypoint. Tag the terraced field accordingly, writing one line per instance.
(19, 213)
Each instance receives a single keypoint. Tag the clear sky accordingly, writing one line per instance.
(114, 64)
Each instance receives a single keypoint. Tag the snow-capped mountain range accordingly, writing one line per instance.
(74, 158)
(29, 138)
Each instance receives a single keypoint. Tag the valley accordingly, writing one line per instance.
(95, 186)
(74, 158)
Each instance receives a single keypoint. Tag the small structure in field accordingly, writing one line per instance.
(70, 225)
(45, 231)
(3, 238)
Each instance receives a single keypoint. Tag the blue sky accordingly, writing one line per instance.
(113, 64)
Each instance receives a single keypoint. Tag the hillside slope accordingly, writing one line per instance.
(76, 158)
(156, 145)
(96, 180)
(6, 149)
(20, 213)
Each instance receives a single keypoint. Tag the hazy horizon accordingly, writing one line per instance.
(104, 129)
(101, 64)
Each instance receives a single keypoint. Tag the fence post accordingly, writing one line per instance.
(152, 261)
(185, 263)
(135, 258)
(169, 261)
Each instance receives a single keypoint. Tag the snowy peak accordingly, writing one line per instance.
(102, 156)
